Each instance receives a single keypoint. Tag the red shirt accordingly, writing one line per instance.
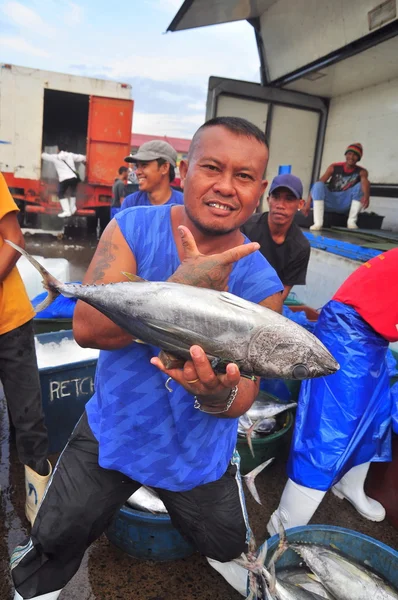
(373, 291)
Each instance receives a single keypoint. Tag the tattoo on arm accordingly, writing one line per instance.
(105, 255)
(210, 274)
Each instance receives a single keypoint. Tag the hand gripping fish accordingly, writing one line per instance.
(173, 317)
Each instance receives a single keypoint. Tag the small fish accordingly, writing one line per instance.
(174, 317)
(261, 409)
(304, 579)
(146, 499)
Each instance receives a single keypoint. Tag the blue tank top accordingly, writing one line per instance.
(142, 199)
(152, 435)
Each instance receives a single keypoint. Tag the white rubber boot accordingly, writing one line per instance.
(355, 209)
(35, 486)
(49, 596)
(65, 208)
(297, 506)
(351, 487)
(72, 205)
(318, 211)
(234, 574)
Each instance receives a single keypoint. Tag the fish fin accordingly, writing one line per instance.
(170, 361)
(249, 439)
(50, 283)
(236, 301)
(250, 479)
(133, 277)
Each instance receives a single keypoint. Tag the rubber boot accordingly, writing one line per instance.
(234, 574)
(49, 596)
(318, 210)
(72, 205)
(35, 486)
(353, 214)
(65, 208)
(351, 487)
(297, 506)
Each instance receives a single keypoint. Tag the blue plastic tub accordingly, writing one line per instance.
(365, 550)
(146, 536)
(65, 391)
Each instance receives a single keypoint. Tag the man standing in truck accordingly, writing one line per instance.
(64, 163)
(343, 188)
(155, 164)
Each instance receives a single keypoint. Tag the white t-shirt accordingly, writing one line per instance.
(64, 171)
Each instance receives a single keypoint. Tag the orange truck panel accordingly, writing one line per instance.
(108, 138)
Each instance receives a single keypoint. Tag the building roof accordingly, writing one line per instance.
(179, 144)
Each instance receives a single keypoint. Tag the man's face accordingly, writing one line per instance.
(351, 158)
(223, 180)
(283, 205)
(149, 174)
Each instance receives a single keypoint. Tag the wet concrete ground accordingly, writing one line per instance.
(107, 573)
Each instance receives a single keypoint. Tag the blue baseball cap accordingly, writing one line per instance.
(291, 182)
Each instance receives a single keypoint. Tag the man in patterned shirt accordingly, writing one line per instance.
(134, 432)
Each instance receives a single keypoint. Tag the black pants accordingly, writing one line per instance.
(67, 185)
(19, 375)
(83, 497)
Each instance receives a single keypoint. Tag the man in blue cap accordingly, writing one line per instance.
(281, 241)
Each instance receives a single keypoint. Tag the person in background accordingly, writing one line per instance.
(155, 164)
(119, 190)
(281, 241)
(19, 372)
(343, 188)
(343, 422)
(134, 431)
(64, 163)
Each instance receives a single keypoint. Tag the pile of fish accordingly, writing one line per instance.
(260, 420)
(173, 317)
(327, 574)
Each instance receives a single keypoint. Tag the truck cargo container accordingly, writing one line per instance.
(329, 77)
(41, 109)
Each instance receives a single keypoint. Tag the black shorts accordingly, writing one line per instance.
(82, 498)
(68, 185)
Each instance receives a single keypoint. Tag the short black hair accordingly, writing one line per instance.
(172, 172)
(122, 170)
(236, 125)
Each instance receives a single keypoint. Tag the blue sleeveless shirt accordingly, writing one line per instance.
(154, 436)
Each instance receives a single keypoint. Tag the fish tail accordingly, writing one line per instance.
(251, 477)
(50, 283)
(282, 546)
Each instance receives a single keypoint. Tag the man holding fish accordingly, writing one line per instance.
(135, 431)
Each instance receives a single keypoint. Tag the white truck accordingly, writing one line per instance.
(40, 110)
(329, 77)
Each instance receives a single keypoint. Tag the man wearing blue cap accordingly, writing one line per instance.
(281, 241)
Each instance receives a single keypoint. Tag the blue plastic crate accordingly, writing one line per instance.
(146, 536)
(65, 391)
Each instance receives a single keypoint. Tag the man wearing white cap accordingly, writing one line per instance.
(155, 164)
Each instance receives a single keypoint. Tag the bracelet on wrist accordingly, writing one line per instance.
(229, 401)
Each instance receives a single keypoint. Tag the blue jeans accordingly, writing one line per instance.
(338, 202)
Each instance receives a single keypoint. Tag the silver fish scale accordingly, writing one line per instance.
(344, 579)
(173, 317)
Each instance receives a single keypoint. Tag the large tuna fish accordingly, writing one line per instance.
(173, 317)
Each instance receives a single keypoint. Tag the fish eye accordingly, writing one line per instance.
(300, 372)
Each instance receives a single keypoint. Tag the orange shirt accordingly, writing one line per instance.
(373, 291)
(15, 306)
